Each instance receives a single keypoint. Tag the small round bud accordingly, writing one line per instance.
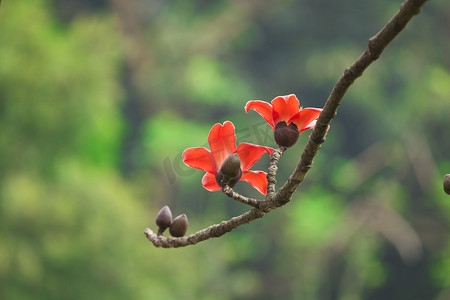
(164, 219)
(231, 166)
(179, 226)
(221, 181)
(286, 135)
(447, 183)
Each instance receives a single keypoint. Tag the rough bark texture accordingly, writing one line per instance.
(238, 197)
(377, 44)
(272, 172)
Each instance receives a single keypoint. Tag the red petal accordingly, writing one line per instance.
(199, 158)
(209, 182)
(258, 179)
(222, 142)
(263, 108)
(305, 117)
(284, 108)
(310, 126)
(249, 154)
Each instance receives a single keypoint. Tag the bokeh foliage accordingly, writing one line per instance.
(98, 100)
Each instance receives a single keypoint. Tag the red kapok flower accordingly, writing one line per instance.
(284, 111)
(222, 141)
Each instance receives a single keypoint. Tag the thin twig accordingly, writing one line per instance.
(272, 172)
(238, 197)
(408, 9)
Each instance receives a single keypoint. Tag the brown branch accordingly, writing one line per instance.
(272, 171)
(212, 231)
(238, 197)
(377, 44)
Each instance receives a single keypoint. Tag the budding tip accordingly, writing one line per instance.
(447, 184)
(179, 226)
(163, 219)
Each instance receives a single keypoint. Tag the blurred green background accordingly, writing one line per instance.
(99, 98)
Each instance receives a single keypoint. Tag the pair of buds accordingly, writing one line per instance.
(177, 227)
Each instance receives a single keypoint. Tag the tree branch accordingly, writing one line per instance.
(238, 197)
(377, 44)
(212, 231)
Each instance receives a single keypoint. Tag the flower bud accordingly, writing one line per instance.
(164, 219)
(179, 226)
(231, 167)
(447, 183)
(221, 181)
(286, 135)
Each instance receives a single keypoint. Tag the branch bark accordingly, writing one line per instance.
(377, 44)
(272, 172)
(238, 197)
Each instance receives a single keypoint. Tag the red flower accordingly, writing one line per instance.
(285, 109)
(222, 141)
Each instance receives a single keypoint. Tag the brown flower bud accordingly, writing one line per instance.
(286, 135)
(231, 167)
(179, 226)
(221, 181)
(447, 183)
(164, 219)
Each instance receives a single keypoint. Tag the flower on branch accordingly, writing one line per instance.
(224, 167)
(286, 117)
(226, 164)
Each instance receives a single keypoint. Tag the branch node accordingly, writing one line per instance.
(372, 48)
(348, 72)
(318, 139)
(306, 168)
